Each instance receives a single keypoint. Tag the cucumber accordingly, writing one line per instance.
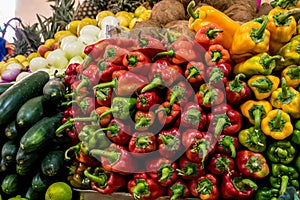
(40, 133)
(27, 159)
(32, 194)
(16, 95)
(40, 182)
(54, 89)
(4, 87)
(53, 163)
(11, 130)
(30, 112)
(10, 183)
(9, 151)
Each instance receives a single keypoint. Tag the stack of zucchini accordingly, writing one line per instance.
(32, 157)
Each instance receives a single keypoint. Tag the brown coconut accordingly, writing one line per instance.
(221, 5)
(241, 12)
(181, 27)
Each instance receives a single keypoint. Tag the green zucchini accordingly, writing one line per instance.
(54, 89)
(30, 112)
(11, 130)
(32, 194)
(53, 163)
(4, 87)
(16, 95)
(10, 183)
(40, 182)
(9, 151)
(27, 159)
(40, 133)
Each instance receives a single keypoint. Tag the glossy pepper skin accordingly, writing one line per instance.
(220, 163)
(76, 177)
(287, 99)
(283, 176)
(162, 170)
(249, 39)
(262, 86)
(281, 152)
(296, 133)
(193, 116)
(209, 96)
(178, 190)
(224, 120)
(168, 142)
(237, 91)
(135, 60)
(115, 158)
(208, 35)
(188, 169)
(141, 186)
(204, 187)
(227, 144)
(209, 14)
(114, 53)
(258, 64)
(149, 45)
(167, 113)
(255, 111)
(235, 186)
(144, 120)
(277, 124)
(106, 70)
(217, 54)
(104, 182)
(252, 164)
(289, 53)
(292, 75)
(253, 139)
(104, 96)
(267, 193)
(142, 143)
(91, 137)
(195, 73)
(146, 100)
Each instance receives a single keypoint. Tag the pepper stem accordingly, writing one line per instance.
(216, 56)
(268, 60)
(132, 60)
(192, 72)
(283, 153)
(257, 34)
(236, 85)
(216, 75)
(211, 33)
(261, 85)
(142, 122)
(219, 126)
(106, 113)
(165, 173)
(139, 189)
(178, 93)
(170, 53)
(226, 141)
(277, 121)
(250, 183)
(156, 81)
(207, 98)
(177, 191)
(84, 82)
(112, 156)
(283, 17)
(64, 126)
(112, 128)
(101, 179)
(257, 118)
(284, 88)
(111, 84)
(256, 140)
(284, 184)
(190, 10)
(75, 148)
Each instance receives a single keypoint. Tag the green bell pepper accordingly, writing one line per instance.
(296, 133)
(283, 176)
(267, 193)
(281, 151)
(121, 107)
(253, 139)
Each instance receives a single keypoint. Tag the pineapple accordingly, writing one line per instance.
(128, 5)
(89, 9)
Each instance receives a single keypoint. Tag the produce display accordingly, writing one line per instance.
(186, 103)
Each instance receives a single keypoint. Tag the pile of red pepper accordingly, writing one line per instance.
(162, 116)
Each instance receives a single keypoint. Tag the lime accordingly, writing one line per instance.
(58, 191)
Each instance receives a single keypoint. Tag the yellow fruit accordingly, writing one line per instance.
(12, 59)
(84, 22)
(103, 14)
(138, 11)
(33, 55)
(130, 15)
(145, 15)
(133, 22)
(21, 58)
(25, 63)
(72, 26)
(58, 191)
(49, 42)
(59, 35)
(123, 20)
(46, 54)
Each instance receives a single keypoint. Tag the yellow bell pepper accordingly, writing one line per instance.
(292, 75)
(210, 14)
(255, 111)
(286, 4)
(251, 38)
(263, 86)
(277, 124)
(286, 98)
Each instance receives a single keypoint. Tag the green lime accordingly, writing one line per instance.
(59, 191)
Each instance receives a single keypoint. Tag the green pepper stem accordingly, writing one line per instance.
(101, 180)
(207, 97)
(111, 84)
(236, 85)
(138, 190)
(283, 153)
(170, 53)
(257, 118)
(106, 113)
(284, 88)
(142, 122)
(64, 126)
(165, 173)
(142, 141)
(165, 109)
(192, 71)
(277, 122)
(178, 92)
(268, 60)
(284, 184)
(88, 59)
(203, 188)
(257, 34)
(211, 33)
(219, 126)
(216, 74)
(154, 83)
(256, 140)
(177, 192)
(200, 148)
(190, 10)
(75, 148)
(283, 17)
(250, 183)
(84, 82)
(188, 171)
(112, 128)
(166, 141)
(229, 143)
(100, 95)
(112, 156)
(132, 60)
(261, 85)
(216, 55)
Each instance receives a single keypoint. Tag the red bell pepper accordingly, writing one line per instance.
(118, 132)
(106, 70)
(195, 73)
(180, 93)
(143, 187)
(237, 91)
(193, 116)
(91, 73)
(217, 54)
(180, 51)
(199, 145)
(224, 120)
(217, 75)
(103, 96)
(162, 170)
(167, 113)
(114, 54)
(208, 35)
(235, 186)
(144, 120)
(209, 96)
(76, 177)
(168, 141)
(227, 144)
(115, 158)
(189, 170)
(220, 163)
(70, 74)
(135, 59)
(252, 164)
(80, 88)
(178, 190)
(146, 100)
(142, 143)
(204, 187)
(125, 85)
(149, 45)
(163, 74)
(86, 104)
(104, 182)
